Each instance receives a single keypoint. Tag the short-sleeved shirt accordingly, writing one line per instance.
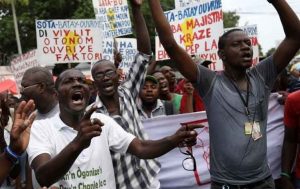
(93, 166)
(130, 171)
(177, 101)
(292, 119)
(235, 158)
(159, 110)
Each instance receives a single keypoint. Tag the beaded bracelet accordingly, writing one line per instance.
(12, 156)
(286, 175)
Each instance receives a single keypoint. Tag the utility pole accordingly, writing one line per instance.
(16, 27)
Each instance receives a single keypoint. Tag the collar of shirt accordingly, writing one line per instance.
(59, 124)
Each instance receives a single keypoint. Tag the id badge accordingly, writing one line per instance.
(256, 134)
(248, 128)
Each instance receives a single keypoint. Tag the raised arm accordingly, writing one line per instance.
(182, 59)
(142, 35)
(291, 26)
(138, 69)
(19, 138)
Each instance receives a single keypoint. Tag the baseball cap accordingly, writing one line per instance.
(151, 78)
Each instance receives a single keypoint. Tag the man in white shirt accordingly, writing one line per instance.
(72, 150)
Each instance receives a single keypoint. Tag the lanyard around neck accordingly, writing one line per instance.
(245, 102)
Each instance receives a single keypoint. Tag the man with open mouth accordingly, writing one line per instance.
(236, 99)
(72, 149)
(119, 101)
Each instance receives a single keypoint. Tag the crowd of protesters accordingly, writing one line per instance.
(59, 127)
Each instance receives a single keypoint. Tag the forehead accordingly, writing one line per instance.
(149, 82)
(165, 68)
(237, 36)
(105, 65)
(71, 74)
(158, 75)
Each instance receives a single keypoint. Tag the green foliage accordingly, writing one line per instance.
(230, 19)
(29, 11)
(270, 51)
(85, 10)
(260, 51)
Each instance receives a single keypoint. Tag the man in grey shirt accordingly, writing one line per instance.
(236, 99)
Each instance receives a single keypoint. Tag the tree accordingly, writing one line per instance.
(270, 51)
(60, 9)
(13, 8)
(230, 19)
(27, 13)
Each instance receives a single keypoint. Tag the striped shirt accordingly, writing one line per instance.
(130, 171)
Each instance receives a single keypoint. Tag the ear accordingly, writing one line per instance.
(42, 87)
(221, 54)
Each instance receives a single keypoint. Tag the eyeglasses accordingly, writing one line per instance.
(101, 75)
(188, 163)
(22, 89)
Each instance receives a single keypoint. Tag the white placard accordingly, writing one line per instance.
(23, 62)
(114, 17)
(68, 41)
(197, 29)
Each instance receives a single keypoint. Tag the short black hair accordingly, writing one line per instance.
(58, 79)
(42, 74)
(99, 62)
(222, 39)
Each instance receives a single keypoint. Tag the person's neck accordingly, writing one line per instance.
(149, 106)
(239, 77)
(235, 74)
(47, 106)
(172, 87)
(166, 96)
(71, 119)
(111, 103)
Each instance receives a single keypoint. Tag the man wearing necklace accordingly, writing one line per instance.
(236, 100)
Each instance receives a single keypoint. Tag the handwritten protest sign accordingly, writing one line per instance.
(23, 62)
(128, 49)
(114, 17)
(251, 31)
(197, 29)
(172, 174)
(68, 41)
(184, 3)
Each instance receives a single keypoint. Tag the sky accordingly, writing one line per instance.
(264, 15)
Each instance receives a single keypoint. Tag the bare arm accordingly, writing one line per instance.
(182, 59)
(188, 106)
(142, 35)
(6, 166)
(151, 67)
(2, 140)
(291, 26)
(288, 154)
(150, 149)
(48, 171)
(19, 136)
